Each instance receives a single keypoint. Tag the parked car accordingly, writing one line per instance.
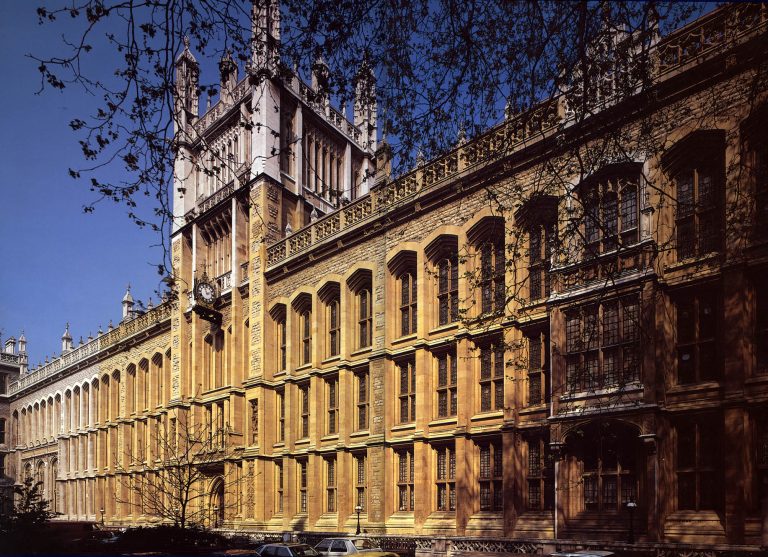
(286, 550)
(584, 553)
(340, 547)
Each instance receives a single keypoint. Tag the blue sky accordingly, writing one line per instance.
(57, 264)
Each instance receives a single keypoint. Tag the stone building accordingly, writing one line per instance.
(497, 344)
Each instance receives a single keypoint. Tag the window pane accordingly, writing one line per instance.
(629, 208)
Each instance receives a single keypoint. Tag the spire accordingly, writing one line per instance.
(66, 340)
(228, 74)
(127, 303)
(320, 75)
(365, 102)
(22, 343)
(186, 90)
(265, 24)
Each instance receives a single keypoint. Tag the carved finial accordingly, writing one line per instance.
(420, 157)
(186, 41)
(461, 137)
(314, 215)
(110, 326)
(288, 229)
(100, 331)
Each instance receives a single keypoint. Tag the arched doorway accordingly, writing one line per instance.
(216, 506)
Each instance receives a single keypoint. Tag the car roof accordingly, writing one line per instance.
(583, 553)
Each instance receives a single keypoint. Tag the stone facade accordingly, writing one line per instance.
(410, 351)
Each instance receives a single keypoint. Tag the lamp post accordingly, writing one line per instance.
(631, 506)
(101, 510)
(358, 509)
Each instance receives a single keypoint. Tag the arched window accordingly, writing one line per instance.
(403, 268)
(330, 295)
(448, 289)
(302, 307)
(365, 317)
(361, 283)
(609, 201)
(696, 164)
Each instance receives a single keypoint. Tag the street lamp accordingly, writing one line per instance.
(102, 515)
(631, 506)
(359, 509)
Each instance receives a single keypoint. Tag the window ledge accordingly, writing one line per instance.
(281, 373)
(303, 367)
(332, 359)
(404, 427)
(330, 437)
(693, 260)
(450, 420)
(758, 377)
(361, 351)
(403, 339)
(489, 415)
(360, 433)
(535, 409)
(581, 395)
(302, 441)
(279, 445)
(694, 387)
(443, 328)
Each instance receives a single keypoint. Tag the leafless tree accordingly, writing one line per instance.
(182, 477)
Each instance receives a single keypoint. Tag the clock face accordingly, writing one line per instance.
(205, 292)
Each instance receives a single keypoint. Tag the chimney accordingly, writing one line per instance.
(10, 345)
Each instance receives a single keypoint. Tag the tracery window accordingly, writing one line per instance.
(611, 211)
(408, 294)
(279, 486)
(448, 289)
(280, 394)
(492, 376)
(492, 269)
(609, 456)
(303, 485)
(603, 344)
(405, 480)
(362, 388)
(540, 240)
(365, 317)
(697, 333)
(304, 401)
(330, 484)
(332, 392)
(447, 372)
(334, 328)
(446, 478)
(360, 481)
(540, 484)
(306, 337)
(491, 477)
(407, 390)
(538, 369)
(696, 165)
(699, 447)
